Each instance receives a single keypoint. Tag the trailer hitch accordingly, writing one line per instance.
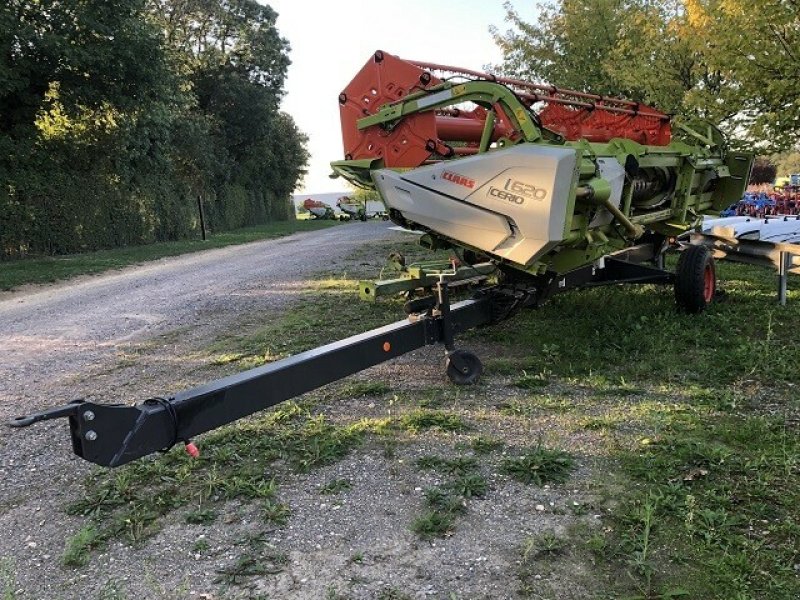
(67, 410)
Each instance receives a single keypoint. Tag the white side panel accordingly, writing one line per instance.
(527, 187)
(445, 215)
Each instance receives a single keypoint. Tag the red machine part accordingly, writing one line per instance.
(419, 137)
(311, 203)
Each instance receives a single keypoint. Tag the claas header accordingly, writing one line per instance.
(535, 189)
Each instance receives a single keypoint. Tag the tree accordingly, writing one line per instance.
(567, 47)
(686, 57)
(787, 163)
(115, 115)
(764, 171)
(236, 62)
(755, 46)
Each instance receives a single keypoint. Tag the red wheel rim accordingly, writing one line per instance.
(709, 284)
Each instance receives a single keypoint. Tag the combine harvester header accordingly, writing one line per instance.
(544, 189)
(534, 177)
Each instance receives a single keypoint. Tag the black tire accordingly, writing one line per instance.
(695, 280)
(464, 368)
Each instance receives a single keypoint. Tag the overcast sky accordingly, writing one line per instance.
(331, 41)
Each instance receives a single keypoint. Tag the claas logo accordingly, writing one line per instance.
(458, 179)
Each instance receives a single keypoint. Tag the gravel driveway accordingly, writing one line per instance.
(84, 339)
(54, 337)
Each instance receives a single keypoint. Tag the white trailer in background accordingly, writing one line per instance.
(770, 241)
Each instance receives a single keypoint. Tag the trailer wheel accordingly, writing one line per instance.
(695, 280)
(463, 367)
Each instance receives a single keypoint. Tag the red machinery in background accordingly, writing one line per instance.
(422, 136)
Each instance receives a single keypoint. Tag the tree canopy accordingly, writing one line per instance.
(734, 62)
(115, 115)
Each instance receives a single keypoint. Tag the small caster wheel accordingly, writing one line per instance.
(463, 367)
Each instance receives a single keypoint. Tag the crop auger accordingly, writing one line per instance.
(541, 188)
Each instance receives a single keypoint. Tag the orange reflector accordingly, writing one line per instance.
(386, 346)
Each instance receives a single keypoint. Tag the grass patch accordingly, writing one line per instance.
(539, 466)
(422, 419)
(275, 512)
(483, 444)
(532, 406)
(433, 523)
(258, 559)
(445, 502)
(546, 544)
(242, 462)
(52, 268)
(531, 382)
(392, 594)
(603, 423)
(8, 581)
(316, 319)
(80, 545)
(336, 486)
(201, 516)
(633, 334)
(469, 486)
(363, 389)
(713, 509)
(438, 499)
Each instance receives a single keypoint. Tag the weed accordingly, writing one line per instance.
(484, 444)
(539, 466)
(389, 449)
(336, 486)
(201, 516)
(531, 382)
(112, 591)
(392, 594)
(433, 523)
(332, 594)
(76, 554)
(249, 565)
(470, 486)
(201, 546)
(275, 512)
(606, 422)
(530, 406)
(441, 500)
(432, 419)
(360, 389)
(546, 544)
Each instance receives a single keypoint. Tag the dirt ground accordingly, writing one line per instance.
(125, 336)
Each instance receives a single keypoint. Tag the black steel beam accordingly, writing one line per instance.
(115, 434)
(112, 435)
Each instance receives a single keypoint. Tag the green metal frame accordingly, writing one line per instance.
(690, 165)
(423, 275)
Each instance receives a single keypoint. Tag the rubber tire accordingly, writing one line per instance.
(473, 368)
(691, 289)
